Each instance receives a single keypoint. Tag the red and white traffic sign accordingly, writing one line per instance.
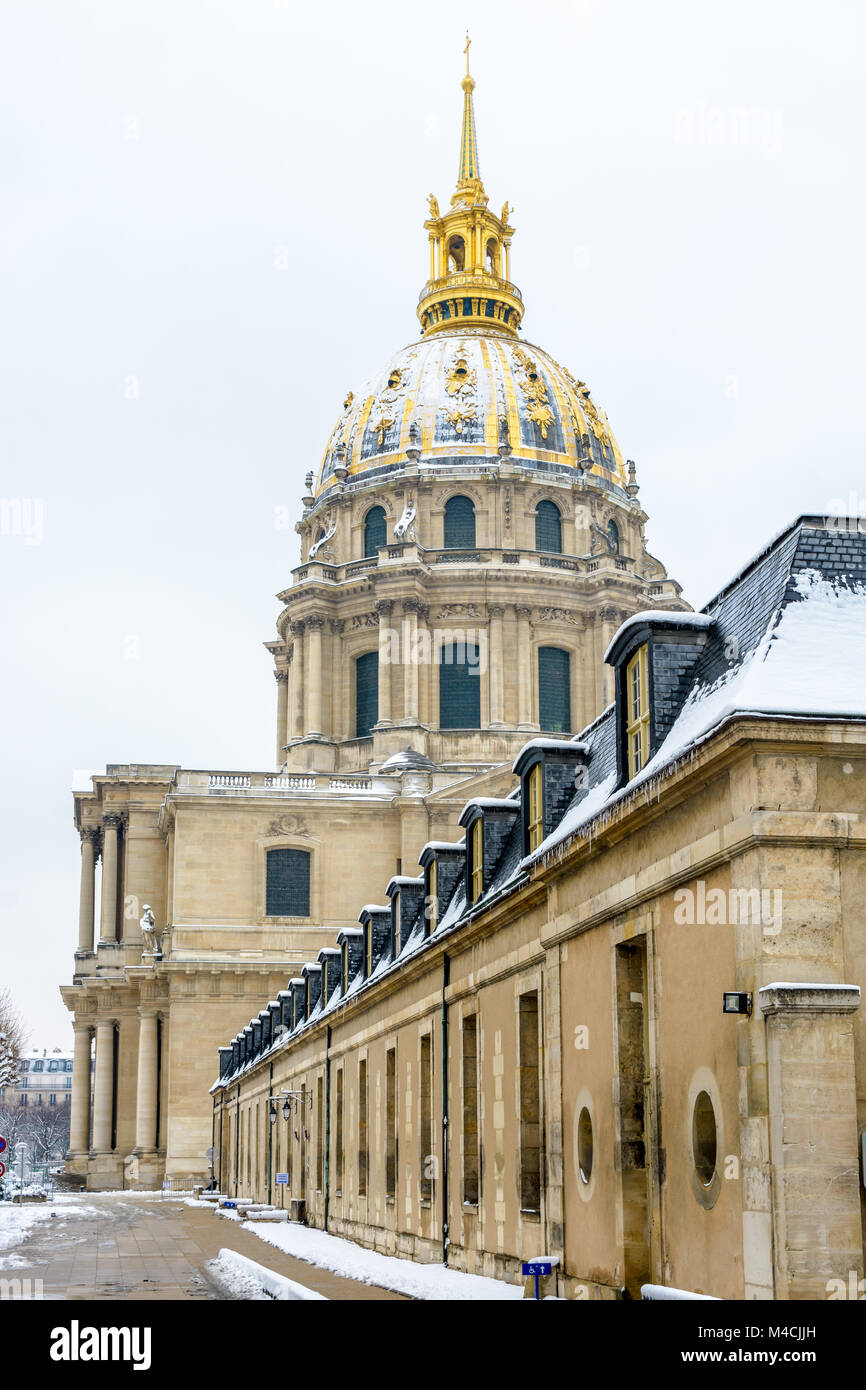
(2, 1143)
(2, 1169)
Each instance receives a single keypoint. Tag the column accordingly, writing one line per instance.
(282, 679)
(86, 900)
(385, 719)
(110, 829)
(815, 1244)
(313, 663)
(409, 654)
(103, 1086)
(297, 712)
(79, 1118)
(524, 669)
(610, 621)
(145, 1108)
(496, 666)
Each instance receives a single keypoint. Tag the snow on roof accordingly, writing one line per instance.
(375, 907)
(552, 745)
(659, 615)
(444, 846)
(810, 664)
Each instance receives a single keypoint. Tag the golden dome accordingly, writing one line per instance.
(470, 390)
(466, 393)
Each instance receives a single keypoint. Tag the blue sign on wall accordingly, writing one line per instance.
(282, 1177)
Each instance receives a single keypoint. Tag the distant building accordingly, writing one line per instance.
(44, 1078)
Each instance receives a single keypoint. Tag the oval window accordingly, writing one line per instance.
(704, 1138)
(584, 1145)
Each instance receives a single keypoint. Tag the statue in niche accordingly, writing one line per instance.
(148, 934)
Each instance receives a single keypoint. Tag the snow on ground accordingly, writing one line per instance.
(17, 1223)
(343, 1257)
(233, 1282)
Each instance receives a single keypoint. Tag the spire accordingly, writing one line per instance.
(470, 248)
(469, 171)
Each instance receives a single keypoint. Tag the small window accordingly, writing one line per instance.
(585, 1145)
(345, 983)
(548, 528)
(288, 883)
(369, 951)
(613, 536)
(704, 1138)
(477, 881)
(535, 818)
(375, 531)
(491, 260)
(554, 690)
(398, 930)
(52, 1098)
(456, 254)
(637, 699)
(459, 531)
(366, 694)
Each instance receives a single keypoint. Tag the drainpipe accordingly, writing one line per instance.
(237, 1138)
(327, 1123)
(270, 1129)
(446, 971)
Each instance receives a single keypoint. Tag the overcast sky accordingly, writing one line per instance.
(688, 194)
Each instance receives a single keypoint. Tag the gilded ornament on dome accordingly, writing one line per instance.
(347, 403)
(381, 426)
(434, 207)
(461, 379)
(534, 389)
(506, 212)
(460, 416)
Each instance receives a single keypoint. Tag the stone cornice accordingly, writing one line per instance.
(792, 998)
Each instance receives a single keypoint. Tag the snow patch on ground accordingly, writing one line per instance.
(343, 1257)
(234, 1282)
(17, 1222)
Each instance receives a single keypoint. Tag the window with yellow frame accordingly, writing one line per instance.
(637, 710)
(432, 896)
(477, 852)
(535, 819)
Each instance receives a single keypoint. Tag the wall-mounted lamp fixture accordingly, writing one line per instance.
(736, 1002)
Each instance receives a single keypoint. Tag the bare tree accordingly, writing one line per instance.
(14, 1126)
(48, 1131)
(13, 1036)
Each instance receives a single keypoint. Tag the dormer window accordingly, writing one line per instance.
(477, 860)
(638, 715)
(344, 965)
(654, 655)
(535, 817)
(368, 954)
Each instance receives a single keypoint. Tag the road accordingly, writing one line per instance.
(129, 1246)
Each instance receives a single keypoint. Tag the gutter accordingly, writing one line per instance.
(327, 1124)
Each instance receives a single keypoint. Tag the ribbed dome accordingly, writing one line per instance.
(457, 390)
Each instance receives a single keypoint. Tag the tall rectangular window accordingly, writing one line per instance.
(470, 1110)
(535, 818)
(530, 1104)
(637, 699)
(339, 1134)
(366, 694)
(477, 878)
(554, 690)
(432, 904)
(425, 1135)
(391, 1122)
(363, 1150)
(459, 686)
(288, 883)
(320, 1135)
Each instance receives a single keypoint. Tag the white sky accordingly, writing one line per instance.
(702, 274)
